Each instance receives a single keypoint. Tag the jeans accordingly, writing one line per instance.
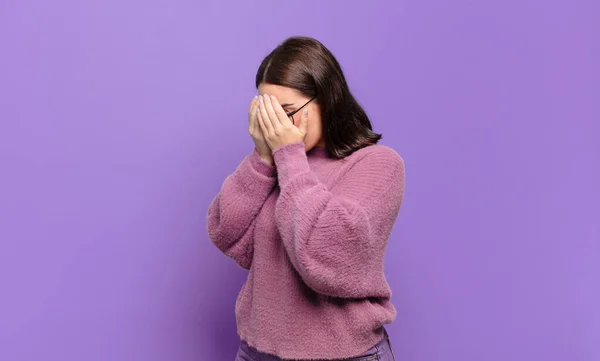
(380, 352)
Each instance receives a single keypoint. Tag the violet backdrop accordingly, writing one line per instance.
(120, 119)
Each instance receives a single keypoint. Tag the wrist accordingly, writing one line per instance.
(267, 159)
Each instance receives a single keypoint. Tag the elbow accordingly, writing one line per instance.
(216, 233)
(342, 275)
(220, 238)
(321, 281)
(219, 232)
(337, 263)
(335, 283)
(213, 220)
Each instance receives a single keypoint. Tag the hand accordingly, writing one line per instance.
(256, 133)
(276, 127)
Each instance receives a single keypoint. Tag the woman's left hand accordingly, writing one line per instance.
(276, 126)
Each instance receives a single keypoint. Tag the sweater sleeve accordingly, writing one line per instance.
(336, 238)
(232, 213)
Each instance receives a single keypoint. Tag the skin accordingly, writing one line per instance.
(271, 128)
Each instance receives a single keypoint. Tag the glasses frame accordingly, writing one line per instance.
(291, 114)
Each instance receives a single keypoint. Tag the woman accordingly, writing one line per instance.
(309, 213)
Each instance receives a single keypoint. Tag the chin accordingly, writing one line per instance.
(314, 144)
(308, 147)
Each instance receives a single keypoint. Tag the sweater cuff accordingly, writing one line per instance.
(260, 166)
(291, 162)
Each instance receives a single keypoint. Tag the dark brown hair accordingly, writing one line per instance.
(307, 66)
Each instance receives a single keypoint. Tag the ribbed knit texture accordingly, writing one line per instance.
(312, 230)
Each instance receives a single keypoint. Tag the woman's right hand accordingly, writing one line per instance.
(256, 133)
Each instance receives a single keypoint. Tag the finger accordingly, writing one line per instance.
(304, 123)
(271, 111)
(268, 122)
(261, 123)
(253, 105)
(252, 111)
(280, 113)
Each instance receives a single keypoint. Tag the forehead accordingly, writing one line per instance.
(282, 93)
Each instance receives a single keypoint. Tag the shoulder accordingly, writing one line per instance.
(375, 168)
(377, 154)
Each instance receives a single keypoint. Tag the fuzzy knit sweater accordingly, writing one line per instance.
(312, 231)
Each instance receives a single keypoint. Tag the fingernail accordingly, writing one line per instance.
(261, 99)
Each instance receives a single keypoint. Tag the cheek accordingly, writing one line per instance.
(314, 131)
(314, 125)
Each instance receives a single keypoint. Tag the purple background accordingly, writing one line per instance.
(120, 120)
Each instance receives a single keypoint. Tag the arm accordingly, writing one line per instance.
(231, 215)
(336, 238)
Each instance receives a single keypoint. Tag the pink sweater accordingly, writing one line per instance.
(312, 231)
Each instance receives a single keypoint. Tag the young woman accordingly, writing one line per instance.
(309, 213)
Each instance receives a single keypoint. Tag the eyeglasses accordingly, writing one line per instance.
(291, 114)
